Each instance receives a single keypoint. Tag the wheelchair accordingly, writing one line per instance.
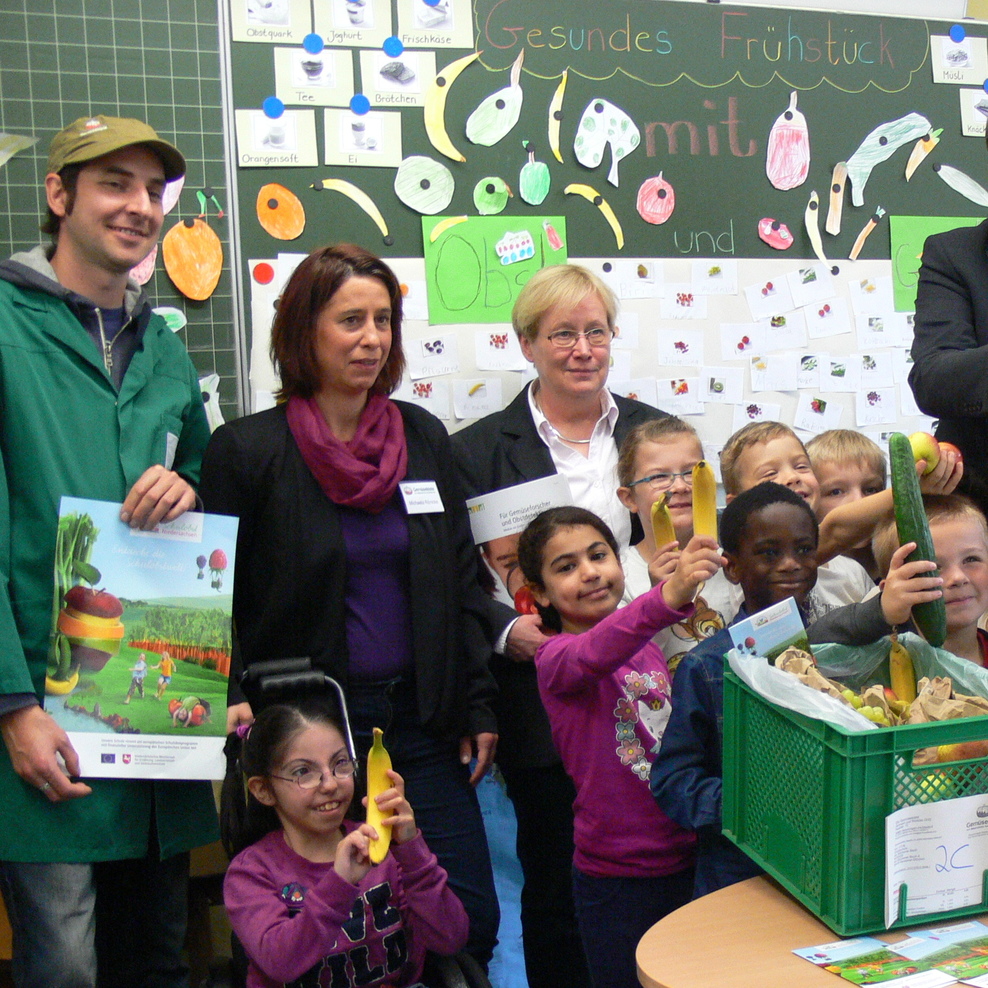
(281, 681)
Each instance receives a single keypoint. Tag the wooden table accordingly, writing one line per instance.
(743, 936)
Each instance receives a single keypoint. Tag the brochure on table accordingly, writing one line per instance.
(139, 654)
(929, 958)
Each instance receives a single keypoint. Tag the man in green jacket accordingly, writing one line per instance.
(98, 399)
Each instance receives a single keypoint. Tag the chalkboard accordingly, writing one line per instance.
(703, 83)
(63, 59)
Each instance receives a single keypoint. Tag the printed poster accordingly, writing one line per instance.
(139, 654)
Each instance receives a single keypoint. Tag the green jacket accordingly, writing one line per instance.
(65, 429)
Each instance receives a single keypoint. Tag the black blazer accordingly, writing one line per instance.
(949, 376)
(291, 566)
(502, 450)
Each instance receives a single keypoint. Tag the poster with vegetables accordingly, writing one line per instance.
(139, 654)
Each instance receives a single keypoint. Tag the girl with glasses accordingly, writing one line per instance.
(303, 897)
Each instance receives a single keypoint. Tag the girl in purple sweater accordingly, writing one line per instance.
(303, 898)
(605, 687)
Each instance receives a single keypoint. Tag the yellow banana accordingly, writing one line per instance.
(435, 106)
(556, 116)
(61, 687)
(592, 195)
(443, 225)
(704, 500)
(662, 523)
(901, 671)
(360, 197)
(378, 764)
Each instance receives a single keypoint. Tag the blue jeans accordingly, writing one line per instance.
(439, 791)
(615, 913)
(111, 924)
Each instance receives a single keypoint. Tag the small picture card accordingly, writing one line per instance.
(774, 372)
(397, 82)
(830, 318)
(681, 302)
(497, 348)
(714, 276)
(680, 395)
(755, 411)
(432, 395)
(287, 141)
(811, 284)
(808, 375)
(875, 406)
(741, 339)
(722, 384)
(642, 389)
(771, 631)
(784, 330)
(816, 413)
(840, 374)
(474, 398)
(768, 297)
(680, 347)
(432, 356)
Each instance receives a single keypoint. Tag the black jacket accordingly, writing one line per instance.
(949, 376)
(502, 450)
(291, 566)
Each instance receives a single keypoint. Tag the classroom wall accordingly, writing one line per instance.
(716, 323)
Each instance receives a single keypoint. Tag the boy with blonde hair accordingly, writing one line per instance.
(849, 467)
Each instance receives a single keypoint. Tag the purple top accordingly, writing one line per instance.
(606, 692)
(299, 918)
(378, 623)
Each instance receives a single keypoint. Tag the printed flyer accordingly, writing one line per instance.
(139, 653)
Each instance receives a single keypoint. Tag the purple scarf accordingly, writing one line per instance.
(364, 472)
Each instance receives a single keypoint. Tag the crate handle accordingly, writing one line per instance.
(904, 895)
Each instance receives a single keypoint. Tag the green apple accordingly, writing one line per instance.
(925, 447)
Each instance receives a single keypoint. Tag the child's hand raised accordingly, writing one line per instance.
(663, 563)
(698, 562)
(908, 584)
(945, 476)
(402, 820)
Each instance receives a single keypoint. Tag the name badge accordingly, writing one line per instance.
(421, 497)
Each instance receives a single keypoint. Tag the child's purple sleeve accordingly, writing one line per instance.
(435, 917)
(568, 663)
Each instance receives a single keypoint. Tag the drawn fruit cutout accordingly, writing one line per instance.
(656, 200)
(787, 159)
(490, 195)
(424, 185)
(533, 182)
(280, 212)
(193, 258)
(499, 111)
(774, 233)
(604, 124)
(141, 273)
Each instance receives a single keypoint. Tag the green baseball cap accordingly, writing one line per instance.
(92, 137)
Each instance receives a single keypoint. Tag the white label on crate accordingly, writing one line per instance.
(935, 854)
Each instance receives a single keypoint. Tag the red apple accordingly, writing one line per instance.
(945, 447)
(98, 603)
(925, 447)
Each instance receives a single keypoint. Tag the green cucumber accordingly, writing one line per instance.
(912, 526)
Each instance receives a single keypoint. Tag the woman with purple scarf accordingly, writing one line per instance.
(354, 550)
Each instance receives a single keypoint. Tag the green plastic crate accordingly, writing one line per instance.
(807, 801)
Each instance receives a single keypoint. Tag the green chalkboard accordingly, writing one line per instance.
(703, 84)
(63, 59)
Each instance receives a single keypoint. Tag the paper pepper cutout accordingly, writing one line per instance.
(360, 197)
(604, 124)
(435, 106)
(193, 257)
(424, 185)
(879, 146)
(787, 159)
(921, 149)
(534, 180)
(656, 200)
(491, 195)
(774, 233)
(963, 183)
(280, 212)
(499, 112)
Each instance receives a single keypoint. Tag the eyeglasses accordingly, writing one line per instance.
(310, 778)
(663, 481)
(565, 339)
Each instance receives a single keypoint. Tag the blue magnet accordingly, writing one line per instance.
(313, 43)
(393, 46)
(273, 107)
(359, 104)
(957, 33)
